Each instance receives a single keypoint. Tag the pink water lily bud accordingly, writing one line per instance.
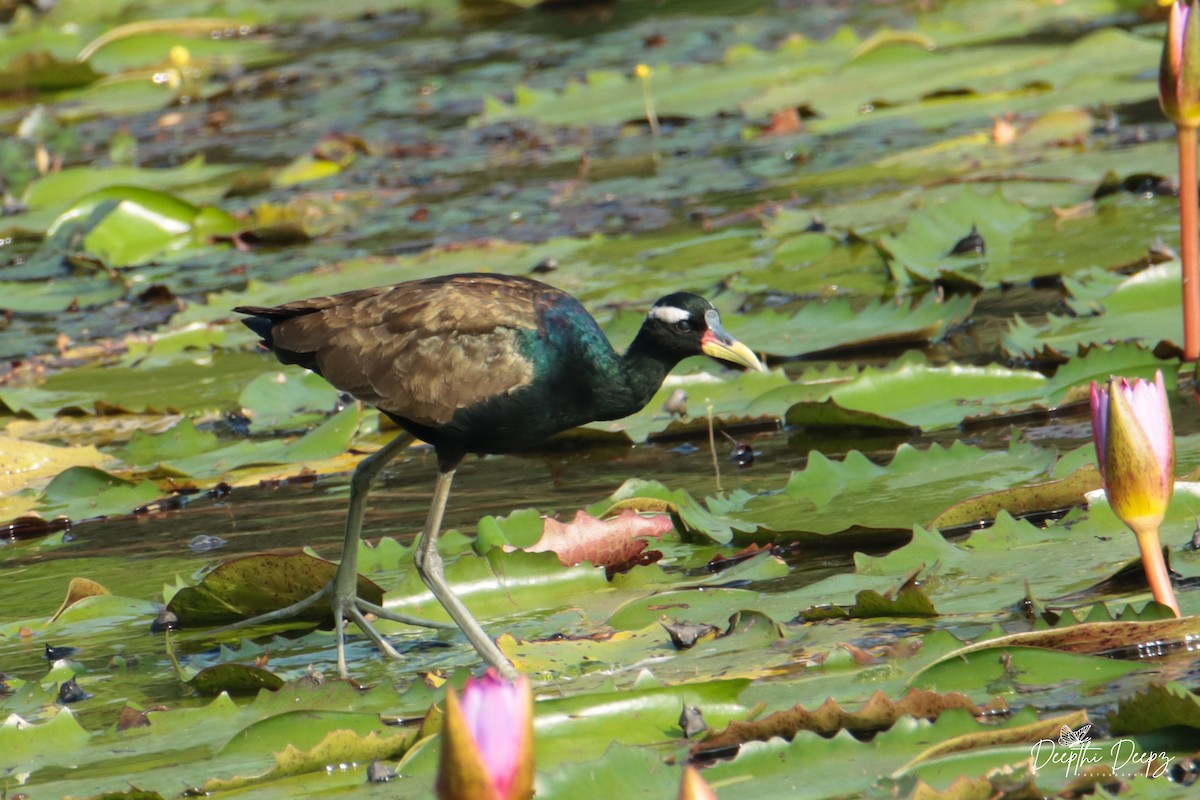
(1179, 71)
(1131, 425)
(487, 741)
(1135, 448)
(694, 787)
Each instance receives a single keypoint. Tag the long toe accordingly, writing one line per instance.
(395, 616)
(288, 612)
(375, 636)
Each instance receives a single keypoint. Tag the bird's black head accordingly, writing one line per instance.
(685, 324)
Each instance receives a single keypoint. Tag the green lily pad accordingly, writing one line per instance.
(991, 667)
(1158, 706)
(252, 585)
(55, 295)
(85, 492)
(141, 224)
(1144, 308)
(916, 485)
(910, 392)
(925, 251)
(287, 399)
(180, 441)
(841, 325)
(234, 679)
(329, 439)
(53, 194)
(497, 585)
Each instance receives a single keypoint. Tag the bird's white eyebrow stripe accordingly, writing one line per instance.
(669, 314)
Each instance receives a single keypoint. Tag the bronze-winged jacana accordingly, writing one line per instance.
(472, 364)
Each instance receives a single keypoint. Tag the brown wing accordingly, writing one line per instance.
(420, 350)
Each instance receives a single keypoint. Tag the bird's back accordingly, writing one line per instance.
(426, 350)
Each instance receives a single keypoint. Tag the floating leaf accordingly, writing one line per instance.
(917, 484)
(40, 70)
(1030, 733)
(234, 679)
(329, 439)
(1155, 707)
(252, 585)
(338, 747)
(877, 714)
(910, 601)
(85, 492)
(77, 590)
(647, 496)
(54, 193)
(925, 250)
(179, 441)
(839, 325)
(912, 393)
(616, 544)
(287, 399)
(1113, 639)
(23, 463)
(140, 224)
(1145, 307)
(1021, 500)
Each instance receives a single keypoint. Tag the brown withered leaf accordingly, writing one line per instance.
(877, 714)
(862, 658)
(616, 544)
(1129, 640)
(78, 589)
(783, 123)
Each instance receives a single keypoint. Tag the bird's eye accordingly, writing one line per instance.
(684, 326)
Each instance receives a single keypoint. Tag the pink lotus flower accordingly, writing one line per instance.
(1179, 70)
(1135, 448)
(487, 741)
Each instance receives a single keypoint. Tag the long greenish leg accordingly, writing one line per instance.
(345, 581)
(432, 571)
(343, 589)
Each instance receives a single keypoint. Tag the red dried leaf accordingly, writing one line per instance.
(784, 122)
(616, 544)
